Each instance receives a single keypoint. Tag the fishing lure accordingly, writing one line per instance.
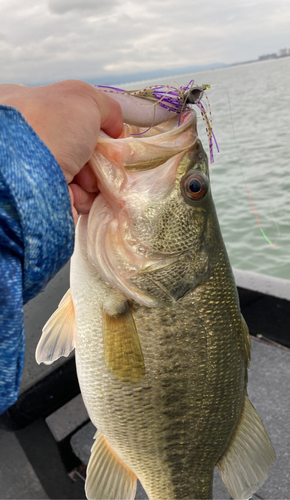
(178, 99)
(175, 99)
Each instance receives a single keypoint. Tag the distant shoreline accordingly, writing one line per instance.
(157, 75)
(260, 59)
(136, 78)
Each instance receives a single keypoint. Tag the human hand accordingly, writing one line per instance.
(68, 116)
(83, 190)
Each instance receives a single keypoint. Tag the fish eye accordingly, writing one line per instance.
(194, 186)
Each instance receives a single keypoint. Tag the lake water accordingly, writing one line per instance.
(251, 120)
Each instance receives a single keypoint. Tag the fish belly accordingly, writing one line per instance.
(173, 426)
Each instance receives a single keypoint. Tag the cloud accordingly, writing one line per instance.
(49, 40)
(96, 6)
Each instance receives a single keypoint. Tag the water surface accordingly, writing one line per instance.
(250, 107)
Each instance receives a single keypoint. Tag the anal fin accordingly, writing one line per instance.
(108, 478)
(123, 351)
(58, 334)
(247, 461)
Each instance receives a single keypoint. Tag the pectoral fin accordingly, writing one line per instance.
(108, 478)
(58, 334)
(123, 351)
(246, 463)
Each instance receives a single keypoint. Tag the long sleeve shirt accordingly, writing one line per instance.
(36, 236)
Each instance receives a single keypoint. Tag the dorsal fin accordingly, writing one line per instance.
(123, 351)
(108, 478)
(58, 334)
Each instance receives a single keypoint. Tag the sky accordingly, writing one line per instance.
(42, 41)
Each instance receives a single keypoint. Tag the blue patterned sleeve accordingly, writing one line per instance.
(36, 236)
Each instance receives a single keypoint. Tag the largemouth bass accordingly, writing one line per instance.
(162, 350)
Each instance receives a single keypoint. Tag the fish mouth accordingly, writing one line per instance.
(118, 163)
(139, 149)
(131, 171)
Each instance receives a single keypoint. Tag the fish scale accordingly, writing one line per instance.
(172, 405)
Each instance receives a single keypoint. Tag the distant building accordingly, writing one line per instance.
(283, 52)
(267, 56)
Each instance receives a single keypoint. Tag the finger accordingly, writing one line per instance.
(111, 114)
(87, 180)
(82, 199)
